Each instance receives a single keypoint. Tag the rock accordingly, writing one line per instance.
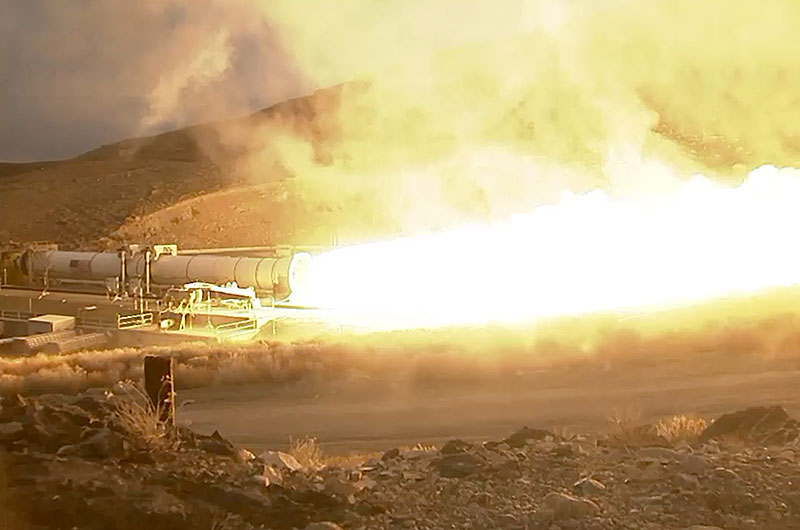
(391, 453)
(89, 404)
(281, 461)
(186, 437)
(456, 446)
(271, 475)
(781, 436)
(365, 483)
(694, 464)
(661, 454)
(563, 506)
(686, 482)
(724, 474)
(243, 455)
(651, 472)
(104, 444)
(525, 435)
(67, 450)
(340, 488)
(457, 466)
(589, 486)
(325, 525)
(748, 424)
(13, 407)
(564, 450)
(507, 520)
(11, 432)
(215, 444)
(652, 512)
(702, 527)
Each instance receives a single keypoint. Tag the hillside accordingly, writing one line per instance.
(83, 201)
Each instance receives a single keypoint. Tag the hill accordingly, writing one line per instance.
(95, 199)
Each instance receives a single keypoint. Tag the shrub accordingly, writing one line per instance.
(681, 428)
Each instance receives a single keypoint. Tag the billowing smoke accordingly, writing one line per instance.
(469, 110)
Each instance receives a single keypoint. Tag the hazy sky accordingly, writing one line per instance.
(75, 74)
(80, 73)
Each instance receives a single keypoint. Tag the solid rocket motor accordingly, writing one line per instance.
(277, 276)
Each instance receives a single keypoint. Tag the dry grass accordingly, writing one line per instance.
(564, 434)
(351, 461)
(307, 452)
(627, 430)
(680, 428)
(133, 411)
(419, 447)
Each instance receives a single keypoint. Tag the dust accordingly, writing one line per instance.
(741, 332)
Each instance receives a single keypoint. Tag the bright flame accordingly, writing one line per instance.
(587, 253)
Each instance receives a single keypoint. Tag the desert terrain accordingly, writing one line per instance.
(596, 445)
(680, 417)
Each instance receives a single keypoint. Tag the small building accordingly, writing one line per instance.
(50, 324)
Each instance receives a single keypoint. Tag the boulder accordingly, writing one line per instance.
(686, 482)
(281, 461)
(10, 432)
(103, 444)
(270, 475)
(458, 465)
(563, 506)
(340, 488)
(244, 456)
(750, 425)
(526, 435)
(215, 444)
(456, 446)
(391, 453)
(694, 464)
(13, 407)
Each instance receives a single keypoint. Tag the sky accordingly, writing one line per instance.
(81, 73)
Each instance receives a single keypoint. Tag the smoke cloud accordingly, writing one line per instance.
(465, 110)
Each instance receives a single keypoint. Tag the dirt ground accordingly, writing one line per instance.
(366, 415)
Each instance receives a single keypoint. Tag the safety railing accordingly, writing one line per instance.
(84, 321)
(237, 327)
(137, 320)
(16, 315)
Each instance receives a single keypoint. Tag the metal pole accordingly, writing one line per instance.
(123, 272)
(158, 383)
(147, 257)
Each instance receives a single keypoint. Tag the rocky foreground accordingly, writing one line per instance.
(96, 461)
